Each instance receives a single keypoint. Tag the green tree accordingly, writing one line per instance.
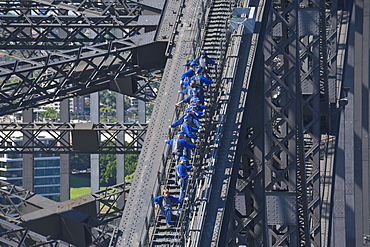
(50, 113)
(108, 167)
(107, 106)
(108, 170)
(130, 164)
(79, 162)
(107, 164)
(108, 98)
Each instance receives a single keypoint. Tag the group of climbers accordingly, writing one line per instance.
(196, 83)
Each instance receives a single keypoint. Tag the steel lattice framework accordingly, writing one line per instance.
(106, 137)
(288, 70)
(118, 46)
(12, 235)
(281, 166)
(50, 32)
(277, 197)
(76, 72)
(115, 45)
(94, 7)
(266, 178)
(30, 210)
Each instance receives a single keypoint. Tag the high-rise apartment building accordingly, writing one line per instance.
(46, 170)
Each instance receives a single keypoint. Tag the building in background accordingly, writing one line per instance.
(46, 169)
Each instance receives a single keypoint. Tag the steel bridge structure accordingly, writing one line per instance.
(284, 156)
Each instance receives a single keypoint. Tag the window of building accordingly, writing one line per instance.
(47, 190)
(47, 172)
(47, 163)
(48, 180)
(11, 174)
(11, 164)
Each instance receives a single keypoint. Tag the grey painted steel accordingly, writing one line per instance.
(343, 214)
(280, 117)
(333, 52)
(120, 158)
(94, 158)
(235, 91)
(44, 33)
(292, 125)
(90, 8)
(117, 63)
(134, 222)
(89, 216)
(213, 38)
(268, 161)
(361, 123)
(13, 235)
(337, 228)
(311, 68)
(351, 194)
(81, 71)
(64, 158)
(18, 201)
(142, 111)
(28, 162)
(80, 132)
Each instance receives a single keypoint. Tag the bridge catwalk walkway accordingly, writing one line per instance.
(138, 212)
(217, 17)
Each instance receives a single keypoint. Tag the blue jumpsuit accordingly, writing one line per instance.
(189, 130)
(165, 204)
(190, 96)
(180, 147)
(183, 178)
(181, 120)
(203, 61)
(187, 74)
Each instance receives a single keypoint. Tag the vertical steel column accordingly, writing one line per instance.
(284, 170)
(248, 220)
(330, 46)
(251, 179)
(141, 111)
(64, 158)
(94, 158)
(313, 67)
(361, 123)
(120, 111)
(343, 223)
(364, 193)
(28, 161)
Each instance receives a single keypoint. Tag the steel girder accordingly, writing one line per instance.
(13, 235)
(82, 10)
(31, 82)
(292, 123)
(126, 65)
(47, 217)
(91, 8)
(16, 201)
(51, 32)
(281, 161)
(106, 137)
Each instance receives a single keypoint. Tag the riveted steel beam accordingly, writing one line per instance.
(20, 32)
(90, 214)
(128, 52)
(13, 235)
(116, 65)
(32, 137)
(91, 8)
